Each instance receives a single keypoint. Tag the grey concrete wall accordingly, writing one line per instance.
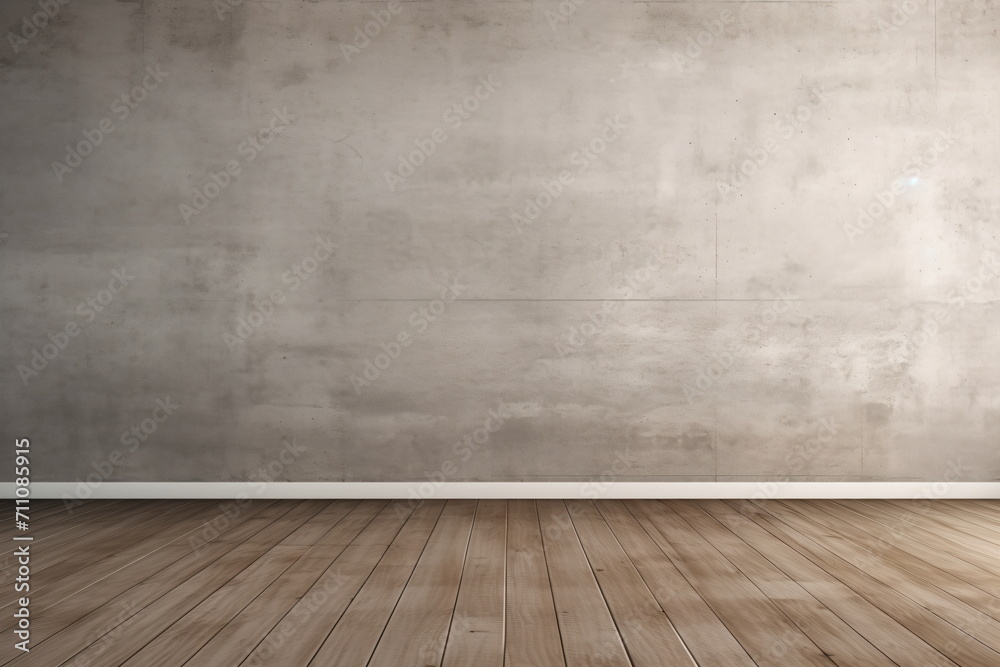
(634, 249)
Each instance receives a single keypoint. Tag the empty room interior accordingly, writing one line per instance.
(484, 333)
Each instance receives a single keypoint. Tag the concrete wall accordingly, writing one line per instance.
(686, 292)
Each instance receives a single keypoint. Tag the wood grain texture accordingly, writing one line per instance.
(588, 630)
(911, 612)
(649, 636)
(835, 637)
(706, 636)
(881, 630)
(770, 637)
(418, 628)
(516, 584)
(477, 627)
(357, 633)
(532, 631)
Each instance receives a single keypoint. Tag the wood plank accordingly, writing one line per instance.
(705, 635)
(192, 630)
(476, 636)
(891, 533)
(967, 507)
(355, 550)
(989, 508)
(355, 636)
(967, 582)
(933, 512)
(418, 628)
(957, 511)
(38, 511)
(80, 544)
(901, 525)
(8, 561)
(100, 513)
(532, 631)
(311, 531)
(520, 583)
(62, 579)
(148, 538)
(74, 622)
(927, 587)
(347, 530)
(765, 632)
(58, 518)
(383, 531)
(880, 629)
(836, 638)
(306, 594)
(649, 636)
(85, 545)
(242, 635)
(144, 626)
(588, 631)
(945, 637)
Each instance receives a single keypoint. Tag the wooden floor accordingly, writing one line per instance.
(490, 583)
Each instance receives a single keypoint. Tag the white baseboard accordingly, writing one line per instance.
(427, 489)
